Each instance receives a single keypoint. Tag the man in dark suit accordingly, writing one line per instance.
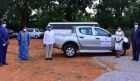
(4, 41)
(135, 38)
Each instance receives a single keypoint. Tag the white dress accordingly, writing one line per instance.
(119, 36)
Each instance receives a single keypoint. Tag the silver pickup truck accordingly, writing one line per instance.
(86, 39)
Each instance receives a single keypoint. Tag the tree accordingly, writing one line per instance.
(72, 7)
(110, 12)
(3, 8)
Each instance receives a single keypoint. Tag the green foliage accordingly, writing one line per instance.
(108, 13)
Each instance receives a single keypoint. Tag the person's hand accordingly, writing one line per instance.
(44, 45)
(117, 41)
(7, 43)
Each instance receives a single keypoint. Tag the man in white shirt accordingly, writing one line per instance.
(48, 41)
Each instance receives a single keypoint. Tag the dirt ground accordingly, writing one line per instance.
(80, 68)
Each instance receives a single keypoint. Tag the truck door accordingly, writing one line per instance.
(85, 37)
(103, 39)
(30, 31)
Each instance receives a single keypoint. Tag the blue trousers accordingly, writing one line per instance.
(3, 52)
(135, 51)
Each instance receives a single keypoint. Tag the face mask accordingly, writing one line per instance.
(49, 29)
(24, 30)
(136, 26)
(4, 25)
(119, 29)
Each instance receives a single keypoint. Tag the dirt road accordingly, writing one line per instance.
(80, 68)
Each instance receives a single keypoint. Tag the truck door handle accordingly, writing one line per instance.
(97, 38)
(81, 37)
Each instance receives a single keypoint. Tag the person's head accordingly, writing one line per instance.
(49, 27)
(119, 29)
(136, 25)
(3, 23)
(24, 29)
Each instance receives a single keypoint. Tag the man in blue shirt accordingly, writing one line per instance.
(4, 42)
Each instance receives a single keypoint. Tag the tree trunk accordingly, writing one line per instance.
(24, 13)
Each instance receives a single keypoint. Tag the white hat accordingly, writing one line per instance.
(49, 25)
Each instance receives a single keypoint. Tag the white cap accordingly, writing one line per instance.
(49, 25)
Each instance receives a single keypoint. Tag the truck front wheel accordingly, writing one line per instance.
(70, 51)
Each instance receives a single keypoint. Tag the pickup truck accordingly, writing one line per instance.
(86, 39)
(35, 33)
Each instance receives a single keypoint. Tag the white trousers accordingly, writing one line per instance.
(49, 50)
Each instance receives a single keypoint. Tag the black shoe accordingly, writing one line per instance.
(133, 59)
(25, 59)
(5, 63)
(1, 65)
(46, 58)
(137, 60)
(50, 59)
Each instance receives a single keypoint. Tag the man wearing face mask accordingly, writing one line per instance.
(135, 39)
(48, 41)
(4, 42)
(119, 36)
(23, 42)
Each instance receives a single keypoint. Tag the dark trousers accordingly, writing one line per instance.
(1, 54)
(4, 54)
(135, 51)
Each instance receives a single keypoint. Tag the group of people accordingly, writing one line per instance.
(135, 40)
(24, 41)
(49, 39)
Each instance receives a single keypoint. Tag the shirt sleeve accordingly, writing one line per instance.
(116, 34)
(29, 38)
(19, 36)
(123, 34)
(53, 37)
(2, 39)
(44, 38)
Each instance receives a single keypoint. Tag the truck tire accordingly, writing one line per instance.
(70, 51)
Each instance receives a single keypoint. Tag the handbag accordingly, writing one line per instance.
(126, 45)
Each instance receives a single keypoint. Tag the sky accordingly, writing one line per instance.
(90, 10)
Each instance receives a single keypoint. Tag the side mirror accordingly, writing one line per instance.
(109, 35)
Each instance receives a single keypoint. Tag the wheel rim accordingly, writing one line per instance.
(70, 51)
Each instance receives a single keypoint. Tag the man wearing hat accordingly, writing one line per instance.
(48, 41)
(4, 41)
(135, 38)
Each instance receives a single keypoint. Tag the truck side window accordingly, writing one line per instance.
(30, 30)
(100, 32)
(36, 30)
(86, 31)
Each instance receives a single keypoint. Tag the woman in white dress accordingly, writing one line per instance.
(119, 36)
